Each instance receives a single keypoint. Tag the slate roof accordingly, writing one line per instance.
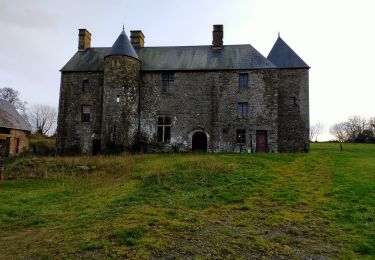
(178, 58)
(122, 46)
(203, 58)
(284, 57)
(10, 118)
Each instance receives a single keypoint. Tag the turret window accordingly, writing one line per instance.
(164, 129)
(166, 81)
(115, 63)
(292, 101)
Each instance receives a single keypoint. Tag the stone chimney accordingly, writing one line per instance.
(84, 39)
(137, 38)
(217, 36)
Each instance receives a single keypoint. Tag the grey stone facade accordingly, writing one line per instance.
(240, 103)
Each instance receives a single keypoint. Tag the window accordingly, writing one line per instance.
(244, 80)
(164, 129)
(242, 109)
(17, 145)
(85, 86)
(241, 136)
(166, 81)
(118, 99)
(292, 101)
(115, 63)
(85, 113)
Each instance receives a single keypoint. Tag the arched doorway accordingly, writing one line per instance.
(199, 142)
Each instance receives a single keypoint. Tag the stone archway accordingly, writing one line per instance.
(199, 142)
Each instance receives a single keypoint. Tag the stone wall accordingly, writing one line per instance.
(75, 136)
(293, 118)
(207, 101)
(197, 101)
(23, 142)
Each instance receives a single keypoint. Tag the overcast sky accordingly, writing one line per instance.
(336, 38)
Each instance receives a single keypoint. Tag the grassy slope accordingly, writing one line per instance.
(314, 205)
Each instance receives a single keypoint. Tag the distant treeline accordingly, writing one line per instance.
(356, 129)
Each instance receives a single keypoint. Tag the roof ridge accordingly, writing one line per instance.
(177, 46)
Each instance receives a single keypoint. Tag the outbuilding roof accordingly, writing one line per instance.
(176, 58)
(284, 57)
(10, 118)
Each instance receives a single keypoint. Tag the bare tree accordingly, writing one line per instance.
(315, 130)
(339, 130)
(355, 126)
(371, 124)
(13, 97)
(43, 119)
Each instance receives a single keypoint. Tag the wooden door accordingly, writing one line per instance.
(261, 141)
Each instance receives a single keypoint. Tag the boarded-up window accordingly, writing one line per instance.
(164, 129)
(241, 136)
(242, 109)
(86, 113)
(166, 81)
(244, 80)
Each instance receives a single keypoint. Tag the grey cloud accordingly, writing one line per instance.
(26, 14)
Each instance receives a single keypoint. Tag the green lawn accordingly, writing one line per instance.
(315, 205)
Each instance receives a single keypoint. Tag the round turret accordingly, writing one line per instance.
(120, 95)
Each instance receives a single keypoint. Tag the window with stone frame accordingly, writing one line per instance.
(85, 113)
(115, 63)
(164, 129)
(241, 136)
(244, 80)
(242, 109)
(292, 101)
(86, 86)
(167, 80)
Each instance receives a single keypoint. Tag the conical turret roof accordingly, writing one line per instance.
(284, 57)
(123, 47)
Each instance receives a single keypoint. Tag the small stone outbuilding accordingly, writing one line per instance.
(14, 131)
(217, 98)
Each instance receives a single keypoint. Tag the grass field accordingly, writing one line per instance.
(316, 205)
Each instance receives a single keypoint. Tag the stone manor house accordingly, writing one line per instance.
(217, 98)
